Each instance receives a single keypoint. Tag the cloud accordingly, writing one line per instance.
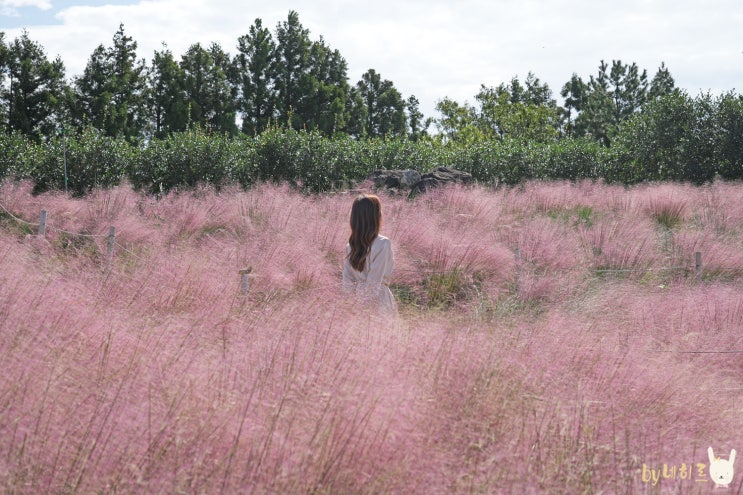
(39, 4)
(9, 8)
(436, 48)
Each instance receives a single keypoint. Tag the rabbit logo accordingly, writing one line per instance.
(721, 470)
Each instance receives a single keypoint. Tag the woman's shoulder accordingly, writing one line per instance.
(381, 242)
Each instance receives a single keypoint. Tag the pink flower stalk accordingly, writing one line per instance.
(155, 373)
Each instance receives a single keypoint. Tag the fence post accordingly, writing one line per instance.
(110, 247)
(517, 254)
(42, 223)
(698, 264)
(245, 279)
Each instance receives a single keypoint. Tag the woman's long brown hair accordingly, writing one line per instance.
(366, 220)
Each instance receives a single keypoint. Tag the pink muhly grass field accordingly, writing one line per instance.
(595, 356)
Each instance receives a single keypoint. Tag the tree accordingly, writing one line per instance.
(324, 90)
(195, 64)
(292, 63)
(517, 111)
(507, 111)
(3, 70)
(458, 122)
(535, 92)
(598, 108)
(210, 96)
(608, 100)
(254, 78)
(574, 93)
(417, 126)
(495, 104)
(111, 90)
(672, 138)
(36, 90)
(728, 135)
(629, 89)
(166, 95)
(662, 83)
(357, 114)
(221, 93)
(385, 108)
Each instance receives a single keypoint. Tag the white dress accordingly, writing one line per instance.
(372, 284)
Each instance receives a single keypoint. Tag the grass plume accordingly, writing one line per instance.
(550, 373)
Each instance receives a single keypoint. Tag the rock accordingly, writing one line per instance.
(395, 179)
(409, 178)
(439, 177)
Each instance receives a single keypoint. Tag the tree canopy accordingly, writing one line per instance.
(288, 78)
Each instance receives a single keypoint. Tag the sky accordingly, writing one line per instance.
(428, 48)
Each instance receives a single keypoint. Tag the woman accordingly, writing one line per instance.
(368, 264)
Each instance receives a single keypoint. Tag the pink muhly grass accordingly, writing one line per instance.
(626, 246)
(449, 243)
(547, 248)
(538, 197)
(721, 257)
(667, 205)
(101, 384)
(543, 197)
(610, 393)
(720, 210)
(158, 375)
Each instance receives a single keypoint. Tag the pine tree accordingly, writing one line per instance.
(574, 93)
(662, 83)
(292, 63)
(3, 70)
(35, 93)
(211, 97)
(111, 91)
(254, 78)
(323, 105)
(166, 95)
(610, 99)
(385, 107)
(415, 119)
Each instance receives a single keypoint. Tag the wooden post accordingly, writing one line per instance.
(42, 223)
(518, 268)
(110, 247)
(245, 279)
(698, 264)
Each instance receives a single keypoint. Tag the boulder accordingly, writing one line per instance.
(439, 177)
(395, 179)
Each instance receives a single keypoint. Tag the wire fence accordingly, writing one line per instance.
(42, 226)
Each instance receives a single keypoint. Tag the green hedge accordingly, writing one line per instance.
(675, 138)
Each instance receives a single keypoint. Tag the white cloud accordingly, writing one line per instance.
(40, 4)
(16, 4)
(9, 8)
(436, 48)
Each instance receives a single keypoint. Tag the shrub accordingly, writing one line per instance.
(91, 160)
(729, 136)
(183, 159)
(15, 151)
(671, 139)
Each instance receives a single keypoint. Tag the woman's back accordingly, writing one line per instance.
(372, 283)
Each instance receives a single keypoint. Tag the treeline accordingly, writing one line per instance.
(286, 78)
(282, 78)
(675, 138)
(282, 109)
